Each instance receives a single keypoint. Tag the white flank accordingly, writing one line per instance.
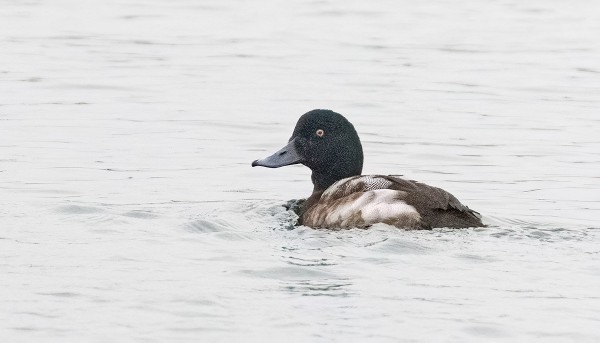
(377, 206)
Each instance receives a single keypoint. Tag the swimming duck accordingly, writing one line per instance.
(327, 143)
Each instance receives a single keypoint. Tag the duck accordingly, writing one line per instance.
(327, 143)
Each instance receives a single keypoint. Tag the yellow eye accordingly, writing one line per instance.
(320, 133)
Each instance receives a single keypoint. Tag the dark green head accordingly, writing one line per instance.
(325, 142)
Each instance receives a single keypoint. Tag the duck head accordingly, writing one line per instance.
(325, 142)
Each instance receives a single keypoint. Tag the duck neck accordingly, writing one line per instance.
(322, 181)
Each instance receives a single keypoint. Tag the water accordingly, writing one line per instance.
(130, 211)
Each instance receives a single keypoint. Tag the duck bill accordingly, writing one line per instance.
(284, 157)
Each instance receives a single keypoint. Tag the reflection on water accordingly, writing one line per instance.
(130, 211)
(330, 288)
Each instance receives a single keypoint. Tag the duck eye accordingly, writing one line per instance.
(320, 133)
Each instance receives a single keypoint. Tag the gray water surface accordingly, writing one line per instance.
(129, 210)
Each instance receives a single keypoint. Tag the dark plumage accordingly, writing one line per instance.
(328, 144)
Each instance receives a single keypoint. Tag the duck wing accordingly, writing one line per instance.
(436, 207)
